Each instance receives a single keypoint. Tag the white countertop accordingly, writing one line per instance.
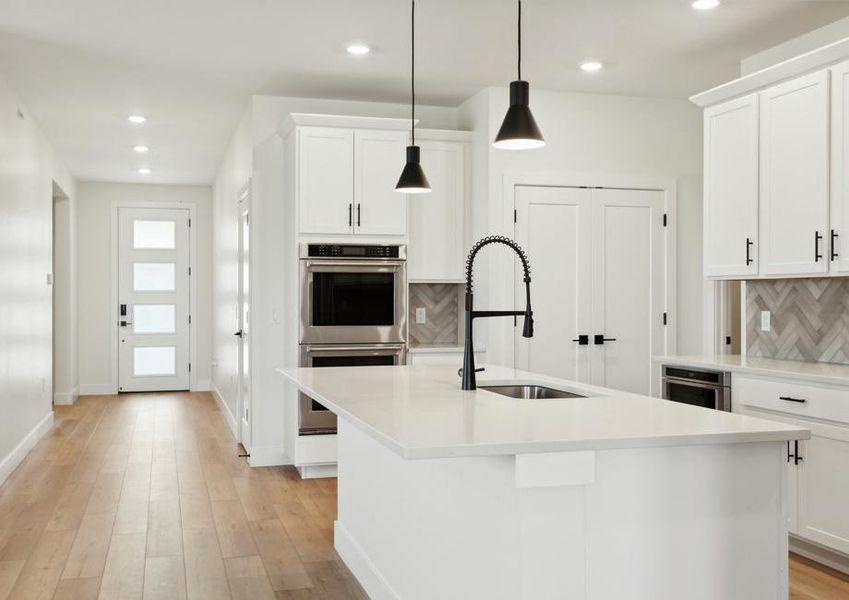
(421, 412)
(809, 371)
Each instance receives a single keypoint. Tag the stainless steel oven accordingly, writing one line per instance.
(315, 418)
(353, 293)
(699, 387)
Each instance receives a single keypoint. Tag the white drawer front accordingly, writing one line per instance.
(806, 400)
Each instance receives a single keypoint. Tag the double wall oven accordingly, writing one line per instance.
(353, 313)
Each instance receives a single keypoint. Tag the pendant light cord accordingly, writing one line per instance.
(519, 37)
(413, 74)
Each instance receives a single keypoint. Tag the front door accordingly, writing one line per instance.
(153, 296)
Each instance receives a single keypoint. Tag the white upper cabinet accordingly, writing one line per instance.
(379, 158)
(325, 180)
(794, 176)
(731, 188)
(437, 241)
(838, 238)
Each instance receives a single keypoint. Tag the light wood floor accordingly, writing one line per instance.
(143, 496)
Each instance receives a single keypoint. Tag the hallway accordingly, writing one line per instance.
(143, 496)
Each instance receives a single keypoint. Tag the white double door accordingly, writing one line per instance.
(598, 269)
(154, 299)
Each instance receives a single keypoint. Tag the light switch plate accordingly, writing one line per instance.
(765, 320)
(421, 315)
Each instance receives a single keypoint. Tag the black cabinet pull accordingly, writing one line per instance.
(749, 259)
(583, 340)
(350, 215)
(359, 206)
(834, 236)
(599, 339)
(789, 455)
(817, 238)
(796, 456)
(791, 399)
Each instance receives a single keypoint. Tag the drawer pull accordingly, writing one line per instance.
(790, 399)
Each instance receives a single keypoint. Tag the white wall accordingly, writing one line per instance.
(812, 40)
(28, 167)
(605, 135)
(95, 281)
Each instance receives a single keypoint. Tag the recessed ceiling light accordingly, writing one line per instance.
(704, 4)
(144, 171)
(591, 65)
(137, 119)
(358, 49)
(141, 149)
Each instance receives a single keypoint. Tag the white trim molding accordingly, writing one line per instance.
(225, 410)
(355, 558)
(97, 389)
(11, 461)
(66, 398)
(269, 456)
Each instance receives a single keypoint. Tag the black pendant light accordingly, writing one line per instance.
(519, 131)
(413, 180)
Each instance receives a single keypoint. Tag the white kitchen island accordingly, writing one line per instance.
(449, 494)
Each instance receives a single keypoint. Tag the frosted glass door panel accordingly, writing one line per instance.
(153, 277)
(154, 360)
(154, 235)
(154, 318)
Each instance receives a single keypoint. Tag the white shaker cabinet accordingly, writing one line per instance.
(731, 188)
(379, 158)
(325, 179)
(794, 176)
(838, 238)
(437, 245)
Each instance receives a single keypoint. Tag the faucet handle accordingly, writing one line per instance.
(460, 371)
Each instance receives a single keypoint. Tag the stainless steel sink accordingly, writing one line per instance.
(528, 392)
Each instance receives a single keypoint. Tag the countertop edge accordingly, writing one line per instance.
(781, 369)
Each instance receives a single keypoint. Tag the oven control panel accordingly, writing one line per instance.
(352, 251)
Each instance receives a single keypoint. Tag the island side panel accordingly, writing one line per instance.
(700, 522)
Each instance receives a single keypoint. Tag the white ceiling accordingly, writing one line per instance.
(82, 66)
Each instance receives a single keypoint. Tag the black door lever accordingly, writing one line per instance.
(583, 340)
(239, 333)
(600, 339)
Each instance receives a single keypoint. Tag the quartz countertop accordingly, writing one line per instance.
(421, 412)
(816, 372)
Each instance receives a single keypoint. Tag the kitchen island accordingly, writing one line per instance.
(446, 493)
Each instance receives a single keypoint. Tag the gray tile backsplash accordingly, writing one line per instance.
(809, 320)
(441, 303)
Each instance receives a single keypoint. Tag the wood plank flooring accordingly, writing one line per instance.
(143, 496)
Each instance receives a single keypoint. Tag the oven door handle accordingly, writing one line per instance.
(355, 263)
(691, 383)
(389, 348)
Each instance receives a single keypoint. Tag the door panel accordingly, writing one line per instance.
(839, 230)
(325, 179)
(553, 226)
(245, 329)
(628, 287)
(379, 160)
(794, 176)
(153, 290)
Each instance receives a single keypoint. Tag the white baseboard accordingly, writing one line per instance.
(17, 455)
(97, 389)
(66, 398)
(202, 385)
(355, 558)
(268, 456)
(824, 556)
(318, 471)
(225, 410)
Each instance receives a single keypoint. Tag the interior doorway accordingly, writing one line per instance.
(64, 381)
(244, 324)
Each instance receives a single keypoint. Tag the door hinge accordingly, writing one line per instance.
(515, 216)
(190, 271)
(190, 367)
(664, 219)
(190, 222)
(190, 319)
(664, 318)
(727, 340)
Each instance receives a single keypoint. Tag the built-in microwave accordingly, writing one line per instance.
(313, 417)
(698, 387)
(353, 293)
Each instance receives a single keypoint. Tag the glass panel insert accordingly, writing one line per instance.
(157, 235)
(154, 318)
(154, 360)
(154, 277)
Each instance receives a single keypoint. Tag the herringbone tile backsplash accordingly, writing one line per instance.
(810, 319)
(440, 301)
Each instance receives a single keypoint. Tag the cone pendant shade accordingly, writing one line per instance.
(413, 180)
(519, 131)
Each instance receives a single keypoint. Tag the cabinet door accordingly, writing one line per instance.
(325, 179)
(824, 486)
(731, 188)
(794, 176)
(437, 220)
(838, 239)
(378, 161)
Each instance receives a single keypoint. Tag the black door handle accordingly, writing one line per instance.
(817, 238)
(600, 339)
(749, 259)
(834, 236)
(239, 333)
(359, 207)
(350, 215)
(583, 340)
(125, 323)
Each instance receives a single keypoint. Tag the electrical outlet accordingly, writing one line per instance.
(765, 320)
(421, 315)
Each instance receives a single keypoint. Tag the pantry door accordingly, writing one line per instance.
(553, 226)
(154, 299)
